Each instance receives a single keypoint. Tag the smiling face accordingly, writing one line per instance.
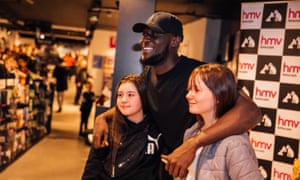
(129, 102)
(201, 99)
(212, 91)
(155, 47)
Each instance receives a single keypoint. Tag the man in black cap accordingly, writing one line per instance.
(166, 74)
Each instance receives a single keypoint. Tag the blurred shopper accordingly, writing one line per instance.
(81, 77)
(212, 91)
(70, 62)
(23, 61)
(8, 68)
(88, 98)
(60, 73)
(50, 95)
(134, 147)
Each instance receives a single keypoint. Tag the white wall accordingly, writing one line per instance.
(193, 41)
(100, 46)
(201, 39)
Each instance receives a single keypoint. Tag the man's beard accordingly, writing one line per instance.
(155, 59)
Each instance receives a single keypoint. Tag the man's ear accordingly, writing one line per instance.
(175, 41)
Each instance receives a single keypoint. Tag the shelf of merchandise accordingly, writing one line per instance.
(23, 116)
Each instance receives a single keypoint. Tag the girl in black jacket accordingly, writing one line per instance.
(134, 147)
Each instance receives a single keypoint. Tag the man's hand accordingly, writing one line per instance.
(100, 132)
(181, 158)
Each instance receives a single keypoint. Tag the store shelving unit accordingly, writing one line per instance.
(23, 117)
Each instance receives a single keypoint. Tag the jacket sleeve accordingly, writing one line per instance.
(94, 164)
(241, 161)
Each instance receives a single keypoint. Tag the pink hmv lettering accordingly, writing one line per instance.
(260, 144)
(265, 93)
(250, 15)
(288, 122)
(271, 41)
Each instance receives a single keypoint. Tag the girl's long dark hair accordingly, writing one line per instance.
(119, 125)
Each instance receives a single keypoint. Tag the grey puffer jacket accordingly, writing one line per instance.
(231, 158)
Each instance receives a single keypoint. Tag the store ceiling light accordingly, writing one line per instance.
(4, 21)
(93, 18)
(31, 2)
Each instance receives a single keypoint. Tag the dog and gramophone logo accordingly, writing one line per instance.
(286, 149)
(289, 97)
(249, 41)
(268, 68)
(267, 123)
(265, 168)
(246, 86)
(292, 42)
(274, 15)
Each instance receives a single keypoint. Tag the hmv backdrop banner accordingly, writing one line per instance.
(269, 72)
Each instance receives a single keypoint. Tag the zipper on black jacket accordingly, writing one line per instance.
(113, 161)
(113, 171)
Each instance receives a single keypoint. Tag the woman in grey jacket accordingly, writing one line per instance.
(212, 91)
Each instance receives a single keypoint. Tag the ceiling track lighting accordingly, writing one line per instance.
(31, 2)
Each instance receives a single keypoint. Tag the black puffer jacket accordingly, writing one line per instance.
(137, 157)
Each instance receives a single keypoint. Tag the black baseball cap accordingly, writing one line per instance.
(161, 22)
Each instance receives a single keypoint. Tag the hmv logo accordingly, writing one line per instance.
(246, 66)
(288, 122)
(250, 15)
(281, 175)
(260, 144)
(271, 41)
(293, 14)
(265, 93)
(290, 68)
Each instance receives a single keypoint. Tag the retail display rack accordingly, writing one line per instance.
(24, 114)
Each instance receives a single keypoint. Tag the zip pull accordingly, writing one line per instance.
(113, 171)
(113, 160)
